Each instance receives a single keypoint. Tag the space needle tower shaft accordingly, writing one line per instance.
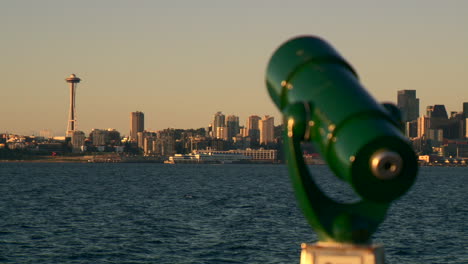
(73, 81)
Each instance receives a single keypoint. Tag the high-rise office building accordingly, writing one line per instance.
(465, 128)
(408, 105)
(141, 139)
(436, 135)
(465, 109)
(243, 132)
(218, 121)
(209, 131)
(267, 130)
(252, 128)
(232, 125)
(411, 128)
(453, 126)
(137, 124)
(465, 122)
(424, 123)
(222, 133)
(437, 111)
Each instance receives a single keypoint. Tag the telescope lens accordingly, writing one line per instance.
(386, 165)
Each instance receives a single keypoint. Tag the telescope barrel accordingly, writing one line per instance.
(360, 139)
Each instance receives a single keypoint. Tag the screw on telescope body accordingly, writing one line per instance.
(386, 164)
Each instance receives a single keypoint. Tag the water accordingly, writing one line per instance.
(156, 213)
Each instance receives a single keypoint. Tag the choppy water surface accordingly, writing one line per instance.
(155, 213)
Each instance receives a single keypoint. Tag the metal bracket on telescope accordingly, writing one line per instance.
(322, 101)
(333, 221)
(347, 224)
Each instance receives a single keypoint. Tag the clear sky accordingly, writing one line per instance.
(179, 62)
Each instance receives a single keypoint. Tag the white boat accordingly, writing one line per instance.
(203, 158)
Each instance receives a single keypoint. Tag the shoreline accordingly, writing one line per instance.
(90, 160)
(45, 161)
(86, 160)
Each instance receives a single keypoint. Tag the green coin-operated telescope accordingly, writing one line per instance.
(322, 101)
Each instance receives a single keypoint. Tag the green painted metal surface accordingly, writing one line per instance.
(322, 101)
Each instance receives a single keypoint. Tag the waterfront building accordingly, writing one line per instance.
(196, 142)
(148, 145)
(240, 142)
(210, 157)
(408, 105)
(51, 147)
(113, 137)
(105, 137)
(267, 130)
(455, 149)
(137, 124)
(78, 141)
(218, 144)
(98, 137)
(259, 155)
(164, 144)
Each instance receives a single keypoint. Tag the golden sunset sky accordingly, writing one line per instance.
(179, 62)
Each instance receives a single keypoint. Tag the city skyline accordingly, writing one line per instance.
(137, 122)
(181, 62)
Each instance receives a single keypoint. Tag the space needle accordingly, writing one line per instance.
(73, 81)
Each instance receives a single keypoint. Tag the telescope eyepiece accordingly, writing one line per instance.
(386, 164)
